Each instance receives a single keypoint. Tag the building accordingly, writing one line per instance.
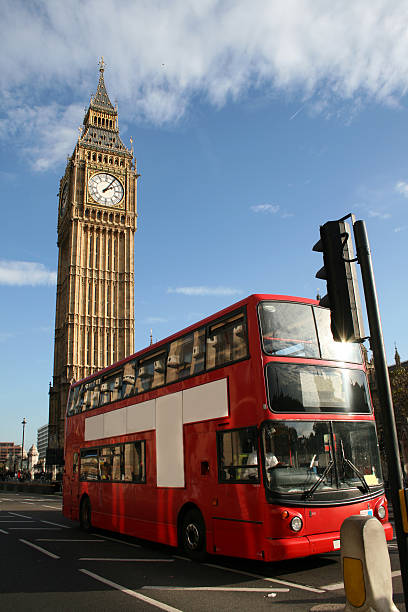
(6, 448)
(398, 373)
(94, 319)
(42, 441)
(10, 455)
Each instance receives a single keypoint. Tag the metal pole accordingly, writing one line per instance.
(23, 422)
(384, 392)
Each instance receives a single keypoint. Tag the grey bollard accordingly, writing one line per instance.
(366, 565)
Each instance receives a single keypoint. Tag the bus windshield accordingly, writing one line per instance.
(298, 387)
(290, 329)
(312, 458)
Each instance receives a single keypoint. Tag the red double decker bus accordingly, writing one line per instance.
(249, 434)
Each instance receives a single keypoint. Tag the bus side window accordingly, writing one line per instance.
(105, 462)
(227, 341)
(89, 464)
(75, 463)
(134, 462)
(198, 357)
(145, 376)
(174, 361)
(239, 341)
(238, 455)
(95, 393)
(159, 370)
(128, 379)
(81, 399)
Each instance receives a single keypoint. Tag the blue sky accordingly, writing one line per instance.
(252, 125)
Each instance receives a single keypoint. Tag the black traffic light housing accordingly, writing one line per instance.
(339, 272)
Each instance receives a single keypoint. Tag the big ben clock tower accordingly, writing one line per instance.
(94, 320)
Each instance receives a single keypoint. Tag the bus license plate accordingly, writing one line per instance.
(366, 512)
(336, 544)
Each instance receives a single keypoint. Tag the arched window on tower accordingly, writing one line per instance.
(108, 301)
(95, 351)
(89, 302)
(114, 347)
(88, 349)
(107, 348)
(90, 257)
(108, 254)
(95, 300)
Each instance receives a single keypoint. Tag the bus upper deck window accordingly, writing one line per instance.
(288, 329)
(128, 379)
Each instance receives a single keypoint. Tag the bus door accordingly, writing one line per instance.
(71, 485)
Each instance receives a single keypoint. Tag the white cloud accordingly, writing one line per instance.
(402, 188)
(153, 320)
(402, 228)
(204, 291)
(265, 208)
(161, 56)
(44, 133)
(378, 214)
(22, 273)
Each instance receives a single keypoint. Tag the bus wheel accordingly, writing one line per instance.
(85, 515)
(193, 535)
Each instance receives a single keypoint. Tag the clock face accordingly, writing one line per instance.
(105, 189)
(64, 197)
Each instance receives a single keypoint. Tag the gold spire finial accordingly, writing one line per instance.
(151, 337)
(102, 64)
(131, 144)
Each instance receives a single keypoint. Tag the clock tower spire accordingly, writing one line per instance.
(97, 219)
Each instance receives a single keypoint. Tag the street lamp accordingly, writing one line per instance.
(23, 422)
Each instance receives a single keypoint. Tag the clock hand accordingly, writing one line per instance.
(108, 187)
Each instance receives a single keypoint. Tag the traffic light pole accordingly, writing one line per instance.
(384, 392)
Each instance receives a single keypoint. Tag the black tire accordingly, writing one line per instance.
(85, 515)
(193, 535)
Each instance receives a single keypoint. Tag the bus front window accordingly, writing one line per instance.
(288, 330)
(311, 459)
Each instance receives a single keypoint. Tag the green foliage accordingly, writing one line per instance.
(399, 388)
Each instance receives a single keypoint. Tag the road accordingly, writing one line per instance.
(48, 563)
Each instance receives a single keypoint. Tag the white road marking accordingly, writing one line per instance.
(12, 521)
(64, 540)
(35, 528)
(333, 587)
(5, 532)
(20, 515)
(294, 585)
(340, 585)
(57, 524)
(5, 499)
(126, 560)
(28, 503)
(119, 587)
(226, 589)
(182, 558)
(53, 507)
(46, 552)
(117, 540)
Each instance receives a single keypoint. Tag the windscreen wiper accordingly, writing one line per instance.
(354, 469)
(318, 482)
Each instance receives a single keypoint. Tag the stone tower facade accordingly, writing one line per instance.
(97, 216)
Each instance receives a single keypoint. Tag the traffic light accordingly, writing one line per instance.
(339, 271)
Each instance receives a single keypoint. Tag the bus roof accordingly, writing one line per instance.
(254, 297)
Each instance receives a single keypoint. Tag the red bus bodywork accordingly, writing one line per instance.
(239, 520)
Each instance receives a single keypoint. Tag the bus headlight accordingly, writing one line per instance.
(296, 523)
(381, 512)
